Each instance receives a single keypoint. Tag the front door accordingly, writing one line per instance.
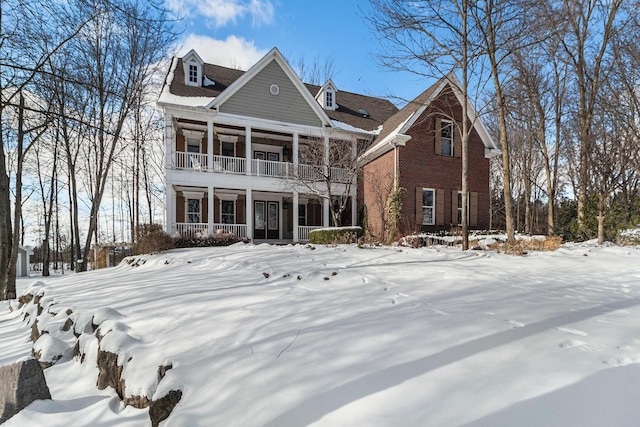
(266, 220)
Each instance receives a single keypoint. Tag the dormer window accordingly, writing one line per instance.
(192, 69)
(328, 103)
(327, 96)
(193, 74)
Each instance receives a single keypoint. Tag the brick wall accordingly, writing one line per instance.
(420, 166)
(378, 183)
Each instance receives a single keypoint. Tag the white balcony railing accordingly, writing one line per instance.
(340, 175)
(192, 229)
(303, 231)
(266, 168)
(310, 172)
(239, 230)
(202, 229)
(271, 168)
(229, 164)
(193, 161)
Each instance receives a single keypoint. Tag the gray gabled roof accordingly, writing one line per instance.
(350, 105)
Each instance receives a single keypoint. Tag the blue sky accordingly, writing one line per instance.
(239, 32)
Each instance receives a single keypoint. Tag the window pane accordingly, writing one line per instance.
(273, 216)
(427, 197)
(228, 212)
(427, 216)
(446, 138)
(259, 215)
(193, 73)
(228, 149)
(193, 211)
(193, 206)
(193, 145)
(302, 215)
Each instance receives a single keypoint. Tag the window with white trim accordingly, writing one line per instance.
(446, 138)
(194, 74)
(194, 207)
(328, 97)
(228, 211)
(428, 206)
(193, 145)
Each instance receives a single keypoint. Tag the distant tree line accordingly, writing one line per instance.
(557, 82)
(76, 79)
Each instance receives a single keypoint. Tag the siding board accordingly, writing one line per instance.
(255, 100)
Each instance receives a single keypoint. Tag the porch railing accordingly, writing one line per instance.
(202, 229)
(229, 164)
(303, 231)
(310, 172)
(267, 168)
(190, 229)
(271, 168)
(239, 230)
(340, 175)
(194, 161)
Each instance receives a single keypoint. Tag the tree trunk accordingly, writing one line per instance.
(465, 130)
(601, 213)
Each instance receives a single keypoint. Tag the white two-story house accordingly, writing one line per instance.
(237, 147)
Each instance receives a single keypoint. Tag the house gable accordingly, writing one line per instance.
(395, 129)
(270, 90)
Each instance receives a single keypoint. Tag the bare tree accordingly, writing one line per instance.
(585, 30)
(329, 169)
(317, 71)
(433, 38)
(24, 53)
(536, 100)
(46, 154)
(117, 54)
(503, 26)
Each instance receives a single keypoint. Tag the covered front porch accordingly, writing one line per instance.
(256, 215)
(267, 152)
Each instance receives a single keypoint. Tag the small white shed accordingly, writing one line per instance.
(22, 266)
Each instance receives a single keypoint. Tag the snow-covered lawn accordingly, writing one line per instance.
(341, 336)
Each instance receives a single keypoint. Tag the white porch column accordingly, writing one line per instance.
(247, 148)
(354, 203)
(249, 214)
(325, 213)
(296, 235)
(295, 152)
(210, 207)
(326, 155)
(168, 140)
(325, 210)
(170, 211)
(210, 145)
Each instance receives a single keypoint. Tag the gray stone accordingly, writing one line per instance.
(20, 384)
(160, 409)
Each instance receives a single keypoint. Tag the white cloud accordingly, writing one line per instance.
(235, 52)
(224, 12)
(261, 12)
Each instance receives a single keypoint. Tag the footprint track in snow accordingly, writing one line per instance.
(515, 323)
(571, 343)
(573, 331)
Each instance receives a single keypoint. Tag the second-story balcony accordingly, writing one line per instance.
(264, 168)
